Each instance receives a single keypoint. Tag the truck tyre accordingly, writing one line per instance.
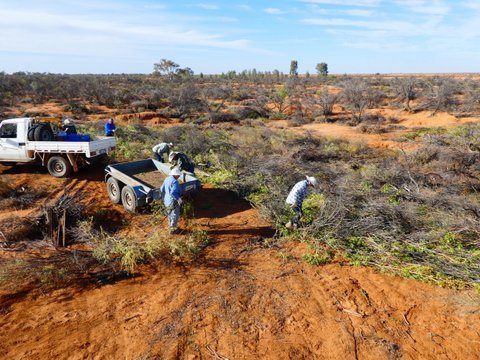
(129, 199)
(114, 190)
(43, 132)
(8, 163)
(58, 166)
(31, 132)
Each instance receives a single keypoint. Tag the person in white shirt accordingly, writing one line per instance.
(295, 200)
(161, 149)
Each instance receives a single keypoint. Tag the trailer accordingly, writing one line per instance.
(61, 157)
(136, 184)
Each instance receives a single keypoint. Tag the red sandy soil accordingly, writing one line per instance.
(240, 300)
(410, 121)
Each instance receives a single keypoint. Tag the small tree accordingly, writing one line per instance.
(279, 98)
(441, 95)
(406, 90)
(472, 97)
(326, 101)
(356, 95)
(165, 68)
(322, 69)
(185, 72)
(294, 68)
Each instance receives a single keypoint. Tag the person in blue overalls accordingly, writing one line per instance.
(171, 193)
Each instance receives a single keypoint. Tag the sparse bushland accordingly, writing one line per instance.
(441, 95)
(406, 89)
(415, 215)
(412, 214)
(196, 97)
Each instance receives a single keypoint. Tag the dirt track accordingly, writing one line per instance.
(240, 300)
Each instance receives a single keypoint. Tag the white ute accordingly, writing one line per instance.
(60, 157)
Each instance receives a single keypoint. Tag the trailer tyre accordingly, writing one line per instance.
(59, 166)
(129, 199)
(43, 132)
(114, 190)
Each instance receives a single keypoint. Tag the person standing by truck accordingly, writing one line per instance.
(160, 150)
(68, 127)
(171, 193)
(110, 127)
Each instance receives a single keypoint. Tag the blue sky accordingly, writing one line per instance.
(126, 36)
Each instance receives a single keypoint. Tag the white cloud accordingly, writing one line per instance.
(208, 6)
(348, 12)
(474, 5)
(56, 32)
(156, 6)
(360, 12)
(211, 18)
(433, 7)
(245, 7)
(274, 11)
(345, 2)
(372, 25)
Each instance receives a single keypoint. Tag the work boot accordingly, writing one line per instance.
(289, 225)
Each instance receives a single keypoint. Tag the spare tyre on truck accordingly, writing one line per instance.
(43, 132)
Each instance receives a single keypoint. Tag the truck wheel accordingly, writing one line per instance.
(114, 190)
(129, 199)
(59, 166)
(43, 132)
(31, 132)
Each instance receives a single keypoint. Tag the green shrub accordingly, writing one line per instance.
(318, 258)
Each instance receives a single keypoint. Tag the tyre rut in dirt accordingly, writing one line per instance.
(58, 166)
(129, 199)
(43, 132)
(114, 190)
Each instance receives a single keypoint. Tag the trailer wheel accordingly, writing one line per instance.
(43, 132)
(129, 199)
(114, 190)
(59, 166)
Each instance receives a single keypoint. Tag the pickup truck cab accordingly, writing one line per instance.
(60, 157)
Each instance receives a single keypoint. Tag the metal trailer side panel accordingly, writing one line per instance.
(125, 179)
(134, 167)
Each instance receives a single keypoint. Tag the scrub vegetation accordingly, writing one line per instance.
(415, 214)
